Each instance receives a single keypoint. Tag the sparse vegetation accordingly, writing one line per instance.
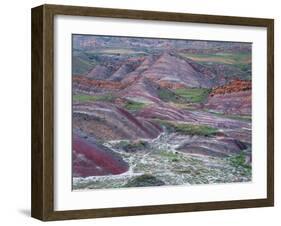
(194, 95)
(169, 96)
(236, 117)
(116, 52)
(81, 63)
(244, 67)
(189, 129)
(184, 95)
(144, 180)
(172, 156)
(84, 97)
(132, 146)
(239, 160)
(134, 106)
(225, 58)
(81, 66)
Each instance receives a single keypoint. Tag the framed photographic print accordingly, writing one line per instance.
(141, 112)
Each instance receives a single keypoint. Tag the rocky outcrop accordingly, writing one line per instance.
(234, 98)
(235, 103)
(232, 87)
(171, 84)
(83, 84)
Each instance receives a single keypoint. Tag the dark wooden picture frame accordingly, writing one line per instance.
(42, 203)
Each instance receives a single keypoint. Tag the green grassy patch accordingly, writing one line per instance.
(239, 161)
(189, 129)
(168, 154)
(167, 95)
(171, 156)
(194, 95)
(134, 106)
(85, 98)
(184, 95)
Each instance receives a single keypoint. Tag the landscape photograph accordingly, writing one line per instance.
(160, 112)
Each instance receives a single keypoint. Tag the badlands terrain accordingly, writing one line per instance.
(154, 112)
